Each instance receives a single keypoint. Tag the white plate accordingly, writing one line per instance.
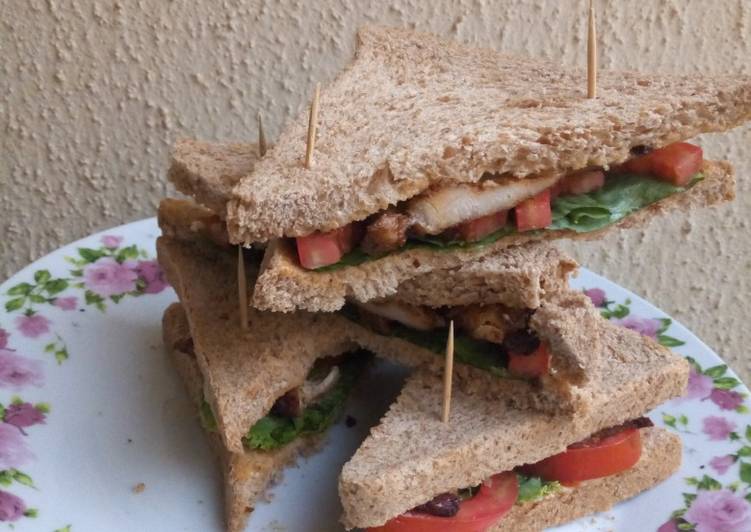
(118, 417)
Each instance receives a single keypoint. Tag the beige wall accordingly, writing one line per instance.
(92, 94)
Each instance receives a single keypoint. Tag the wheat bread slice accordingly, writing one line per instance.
(660, 458)
(247, 474)
(414, 111)
(208, 171)
(284, 285)
(244, 372)
(412, 456)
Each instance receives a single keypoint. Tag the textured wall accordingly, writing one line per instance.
(92, 94)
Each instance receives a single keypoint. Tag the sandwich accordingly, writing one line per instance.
(537, 350)
(264, 394)
(432, 154)
(499, 468)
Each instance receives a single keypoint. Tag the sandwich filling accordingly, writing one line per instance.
(471, 215)
(478, 508)
(306, 410)
(494, 338)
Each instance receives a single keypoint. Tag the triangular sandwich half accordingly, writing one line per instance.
(412, 457)
(431, 154)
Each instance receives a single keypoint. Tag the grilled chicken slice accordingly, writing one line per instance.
(489, 322)
(435, 211)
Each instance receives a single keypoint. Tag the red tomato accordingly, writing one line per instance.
(481, 227)
(582, 182)
(496, 497)
(322, 249)
(534, 364)
(676, 163)
(590, 459)
(534, 213)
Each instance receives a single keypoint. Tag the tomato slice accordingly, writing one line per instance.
(534, 364)
(534, 213)
(582, 182)
(676, 163)
(496, 497)
(481, 227)
(322, 249)
(594, 458)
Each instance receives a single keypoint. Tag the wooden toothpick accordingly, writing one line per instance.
(312, 127)
(242, 289)
(592, 54)
(448, 373)
(261, 137)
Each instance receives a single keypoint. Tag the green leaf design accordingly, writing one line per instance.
(669, 341)
(55, 286)
(744, 451)
(746, 472)
(618, 312)
(22, 478)
(748, 432)
(63, 529)
(694, 364)
(685, 525)
(716, 371)
(91, 255)
(683, 420)
(14, 304)
(43, 407)
(669, 420)
(708, 483)
(22, 289)
(42, 276)
(6, 477)
(61, 355)
(742, 409)
(31, 512)
(117, 298)
(665, 325)
(130, 252)
(726, 383)
(688, 498)
(49, 348)
(36, 298)
(76, 273)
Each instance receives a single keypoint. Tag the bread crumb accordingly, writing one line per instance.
(138, 488)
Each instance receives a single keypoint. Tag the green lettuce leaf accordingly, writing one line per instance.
(534, 488)
(272, 432)
(208, 421)
(621, 196)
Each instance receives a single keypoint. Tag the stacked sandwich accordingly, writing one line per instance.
(440, 174)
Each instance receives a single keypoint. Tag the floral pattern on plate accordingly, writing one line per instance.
(710, 505)
(96, 276)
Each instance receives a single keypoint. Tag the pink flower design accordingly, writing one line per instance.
(107, 277)
(17, 371)
(719, 511)
(23, 415)
(153, 276)
(111, 241)
(3, 338)
(644, 326)
(597, 295)
(33, 325)
(717, 428)
(722, 463)
(13, 449)
(699, 385)
(670, 526)
(726, 399)
(12, 508)
(66, 303)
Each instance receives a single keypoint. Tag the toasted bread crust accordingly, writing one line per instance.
(284, 285)
(208, 171)
(247, 474)
(411, 456)
(661, 457)
(414, 111)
